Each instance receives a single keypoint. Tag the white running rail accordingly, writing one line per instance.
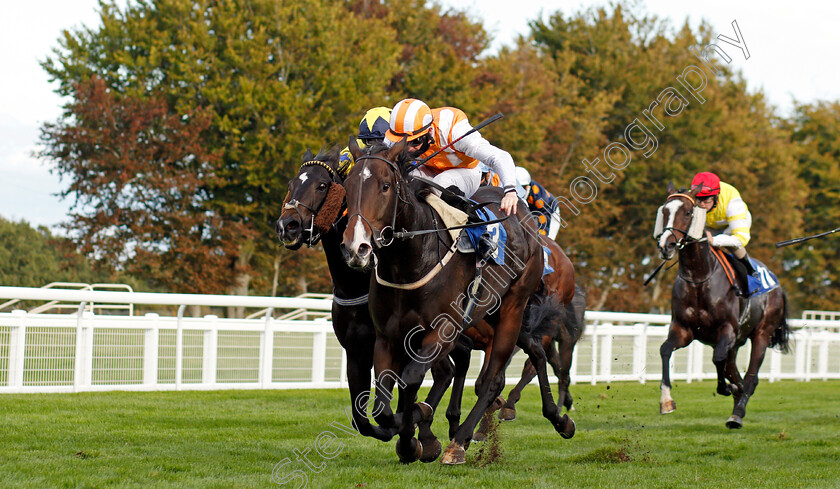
(88, 352)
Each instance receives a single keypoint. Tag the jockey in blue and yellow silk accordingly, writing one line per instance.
(727, 214)
(541, 204)
(372, 129)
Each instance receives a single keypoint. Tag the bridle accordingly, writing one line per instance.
(385, 236)
(689, 235)
(314, 233)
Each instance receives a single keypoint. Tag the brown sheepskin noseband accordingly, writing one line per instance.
(328, 212)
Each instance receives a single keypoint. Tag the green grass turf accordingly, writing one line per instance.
(234, 439)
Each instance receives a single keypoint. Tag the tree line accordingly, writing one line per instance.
(187, 118)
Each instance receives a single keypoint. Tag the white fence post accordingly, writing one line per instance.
(639, 351)
(17, 349)
(210, 351)
(594, 378)
(319, 356)
(151, 346)
(606, 354)
(78, 358)
(179, 347)
(267, 350)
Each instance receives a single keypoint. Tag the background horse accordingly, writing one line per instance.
(706, 307)
(561, 322)
(311, 212)
(416, 299)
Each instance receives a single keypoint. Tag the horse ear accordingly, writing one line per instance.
(396, 149)
(694, 190)
(353, 146)
(308, 155)
(671, 188)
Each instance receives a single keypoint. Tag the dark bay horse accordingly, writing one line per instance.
(416, 296)
(705, 307)
(312, 212)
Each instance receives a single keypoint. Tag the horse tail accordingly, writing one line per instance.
(573, 313)
(781, 335)
(543, 316)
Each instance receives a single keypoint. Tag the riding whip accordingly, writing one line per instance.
(655, 271)
(806, 238)
(474, 129)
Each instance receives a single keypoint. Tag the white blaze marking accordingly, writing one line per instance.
(366, 174)
(303, 177)
(360, 236)
(673, 207)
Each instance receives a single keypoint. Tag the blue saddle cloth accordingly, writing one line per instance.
(497, 234)
(764, 282)
(546, 267)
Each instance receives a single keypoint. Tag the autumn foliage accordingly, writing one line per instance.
(188, 118)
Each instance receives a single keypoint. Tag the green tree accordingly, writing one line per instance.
(34, 257)
(272, 77)
(627, 58)
(815, 130)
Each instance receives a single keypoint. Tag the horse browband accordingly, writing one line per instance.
(693, 202)
(321, 164)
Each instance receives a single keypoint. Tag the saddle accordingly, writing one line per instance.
(736, 272)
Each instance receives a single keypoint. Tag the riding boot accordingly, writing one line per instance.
(748, 265)
(486, 245)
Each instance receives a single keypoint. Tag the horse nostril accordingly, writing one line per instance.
(364, 250)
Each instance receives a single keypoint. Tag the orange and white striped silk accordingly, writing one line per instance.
(448, 124)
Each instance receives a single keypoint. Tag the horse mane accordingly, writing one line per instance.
(329, 155)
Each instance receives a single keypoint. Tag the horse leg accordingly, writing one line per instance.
(409, 448)
(562, 363)
(678, 337)
(461, 357)
(493, 379)
(359, 365)
(386, 370)
(442, 372)
(562, 424)
(759, 343)
(508, 413)
(721, 358)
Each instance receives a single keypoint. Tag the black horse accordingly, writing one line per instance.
(706, 307)
(312, 212)
(415, 297)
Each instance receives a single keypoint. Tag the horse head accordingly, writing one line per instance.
(313, 202)
(374, 187)
(678, 221)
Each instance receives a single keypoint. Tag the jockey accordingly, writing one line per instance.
(372, 129)
(428, 130)
(726, 213)
(540, 202)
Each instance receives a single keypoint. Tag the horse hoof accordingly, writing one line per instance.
(431, 451)
(427, 413)
(497, 403)
(479, 437)
(507, 414)
(667, 407)
(571, 409)
(734, 422)
(566, 427)
(725, 390)
(454, 455)
(410, 454)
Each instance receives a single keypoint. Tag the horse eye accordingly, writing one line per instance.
(322, 186)
(385, 187)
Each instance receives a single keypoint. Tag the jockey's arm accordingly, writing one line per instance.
(475, 146)
(738, 219)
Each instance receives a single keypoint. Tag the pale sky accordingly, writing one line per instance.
(793, 54)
